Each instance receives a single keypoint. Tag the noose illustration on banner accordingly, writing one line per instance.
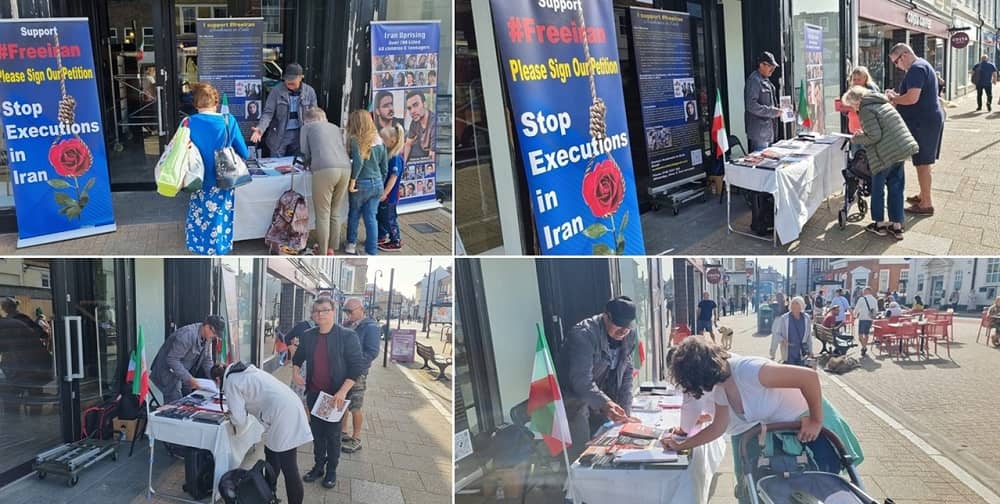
(70, 157)
(603, 183)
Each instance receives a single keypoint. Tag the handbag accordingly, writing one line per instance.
(230, 169)
(180, 167)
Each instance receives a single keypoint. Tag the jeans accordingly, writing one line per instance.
(388, 222)
(326, 439)
(364, 205)
(989, 97)
(893, 178)
(289, 144)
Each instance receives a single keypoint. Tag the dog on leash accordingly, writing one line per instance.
(727, 337)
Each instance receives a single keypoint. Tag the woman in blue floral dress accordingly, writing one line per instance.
(210, 213)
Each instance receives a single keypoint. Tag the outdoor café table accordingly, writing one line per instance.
(227, 447)
(798, 188)
(254, 202)
(922, 323)
(688, 482)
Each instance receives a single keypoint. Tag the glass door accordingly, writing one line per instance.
(29, 388)
(144, 88)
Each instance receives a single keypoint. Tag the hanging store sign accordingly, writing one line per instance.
(564, 87)
(52, 125)
(713, 276)
(960, 40)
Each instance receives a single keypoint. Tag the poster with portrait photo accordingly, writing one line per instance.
(420, 124)
(389, 108)
(251, 110)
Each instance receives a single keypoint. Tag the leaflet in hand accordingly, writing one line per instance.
(324, 408)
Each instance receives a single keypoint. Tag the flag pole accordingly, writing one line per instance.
(569, 474)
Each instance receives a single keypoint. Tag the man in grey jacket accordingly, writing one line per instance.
(283, 113)
(595, 369)
(792, 332)
(761, 99)
(185, 353)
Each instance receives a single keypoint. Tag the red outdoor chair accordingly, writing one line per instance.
(882, 335)
(907, 334)
(984, 323)
(938, 330)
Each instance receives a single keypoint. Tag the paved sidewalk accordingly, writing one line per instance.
(406, 459)
(966, 193)
(149, 224)
(894, 466)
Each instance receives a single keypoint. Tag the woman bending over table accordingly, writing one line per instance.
(753, 390)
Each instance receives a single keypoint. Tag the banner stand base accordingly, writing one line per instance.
(418, 207)
(66, 235)
(678, 193)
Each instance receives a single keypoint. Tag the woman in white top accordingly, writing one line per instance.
(250, 391)
(752, 390)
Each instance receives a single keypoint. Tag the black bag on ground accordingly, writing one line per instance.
(98, 421)
(762, 213)
(199, 472)
(256, 486)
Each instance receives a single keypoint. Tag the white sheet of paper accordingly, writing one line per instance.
(207, 385)
(324, 409)
(650, 455)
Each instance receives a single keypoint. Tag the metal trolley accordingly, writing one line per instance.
(71, 459)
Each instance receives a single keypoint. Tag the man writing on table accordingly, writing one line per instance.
(595, 365)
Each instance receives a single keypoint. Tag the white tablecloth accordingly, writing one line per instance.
(227, 448)
(255, 203)
(798, 189)
(652, 486)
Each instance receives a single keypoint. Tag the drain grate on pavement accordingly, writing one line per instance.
(425, 228)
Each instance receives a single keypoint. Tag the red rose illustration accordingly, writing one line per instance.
(70, 158)
(604, 189)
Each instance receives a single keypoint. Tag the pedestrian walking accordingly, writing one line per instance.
(369, 166)
(917, 102)
(368, 333)
(865, 310)
(792, 333)
(707, 312)
(887, 143)
(723, 304)
(984, 76)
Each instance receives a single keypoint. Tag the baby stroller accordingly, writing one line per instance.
(857, 186)
(777, 468)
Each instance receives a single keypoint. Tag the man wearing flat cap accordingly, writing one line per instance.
(281, 121)
(762, 111)
(595, 371)
(185, 355)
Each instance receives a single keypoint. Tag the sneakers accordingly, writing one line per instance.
(382, 241)
(876, 229)
(351, 248)
(330, 481)
(314, 474)
(864, 351)
(389, 246)
(350, 445)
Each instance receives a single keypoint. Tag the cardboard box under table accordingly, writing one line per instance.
(686, 480)
(228, 447)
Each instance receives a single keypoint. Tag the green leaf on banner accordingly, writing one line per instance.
(602, 249)
(624, 222)
(596, 230)
(58, 184)
(73, 212)
(64, 199)
(84, 199)
(620, 249)
(89, 184)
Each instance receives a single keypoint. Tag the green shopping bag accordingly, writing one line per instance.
(180, 167)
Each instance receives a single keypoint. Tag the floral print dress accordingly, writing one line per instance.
(209, 227)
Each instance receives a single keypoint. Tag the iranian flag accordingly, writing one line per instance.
(545, 404)
(224, 354)
(137, 364)
(224, 107)
(141, 52)
(804, 119)
(719, 128)
(638, 358)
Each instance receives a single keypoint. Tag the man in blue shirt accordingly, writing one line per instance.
(984, 76)
(368, 332)
(706, 313)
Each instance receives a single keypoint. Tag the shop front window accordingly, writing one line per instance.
(874, 40)
(821, 71)
(272, 310)
(235, 303)
(634, 278)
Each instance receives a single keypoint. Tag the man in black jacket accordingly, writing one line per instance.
(335, 364)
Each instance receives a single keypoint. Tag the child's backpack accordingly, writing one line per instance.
(289, 229)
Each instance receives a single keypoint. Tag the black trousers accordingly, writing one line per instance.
(286, 462)
(326, 439)
(989, 97)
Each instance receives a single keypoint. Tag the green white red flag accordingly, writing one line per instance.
(137, 365)
(638, 357)
(804, 119)
(719, 128)
(545, 404)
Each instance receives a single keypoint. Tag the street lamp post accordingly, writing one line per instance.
(427, 298)
(374, 300)
(388, 320)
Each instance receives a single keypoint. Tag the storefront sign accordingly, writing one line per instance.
(671, 114)
(404, 91)
(52, 124)
(404, 344)
(229, 58)
(814, 76)
(441, 314)
(564, 87)
(713, 276)
(959, 40)
(916, 19)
